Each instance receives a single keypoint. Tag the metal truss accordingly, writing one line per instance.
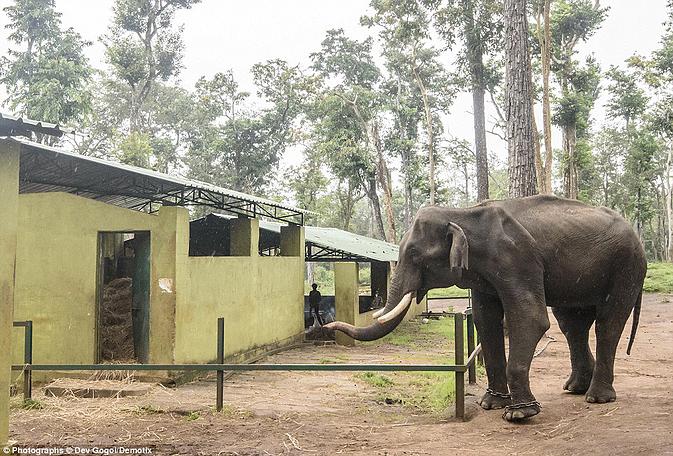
(43, 172)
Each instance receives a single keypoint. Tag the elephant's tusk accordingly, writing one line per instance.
(401, 307)
(378, 313)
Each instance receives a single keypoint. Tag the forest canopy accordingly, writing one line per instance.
(369, 117)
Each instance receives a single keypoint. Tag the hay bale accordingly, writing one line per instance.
(117, 321)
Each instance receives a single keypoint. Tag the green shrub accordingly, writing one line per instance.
(659, 278)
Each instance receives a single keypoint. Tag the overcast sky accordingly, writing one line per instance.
(235, 34)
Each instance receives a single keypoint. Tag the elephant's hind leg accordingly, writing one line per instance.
(488, 315)
(575, 324)
(611, 318)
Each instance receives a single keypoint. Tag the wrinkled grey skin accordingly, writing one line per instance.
(519, 256)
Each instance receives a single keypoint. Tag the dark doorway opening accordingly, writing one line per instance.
(123, 292)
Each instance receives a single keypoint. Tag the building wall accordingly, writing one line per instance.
(56, 276)
(260, 298)
(56, 273)
(9, 196)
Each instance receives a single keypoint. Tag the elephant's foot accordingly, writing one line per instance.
(492, 400)
(600, 393)
(578, 382)
(519, 412)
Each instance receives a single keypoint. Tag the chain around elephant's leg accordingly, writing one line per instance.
(527, 319)
(488, 315)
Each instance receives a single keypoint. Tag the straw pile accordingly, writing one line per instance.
(117, 321)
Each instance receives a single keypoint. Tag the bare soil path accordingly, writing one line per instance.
(339, 413)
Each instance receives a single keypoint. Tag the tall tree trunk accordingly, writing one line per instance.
(518, 102)
(546, 112)
(370, 189)
(570, 181)
(669, 208)
(386, 183)
(475, 54)
(544, 38)
(408, 191)
(429, 130)
(539, 165)
(481, 148)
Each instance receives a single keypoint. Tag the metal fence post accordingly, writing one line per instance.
(472, 370)
(220, 360)
(28, 359)
(459, 360)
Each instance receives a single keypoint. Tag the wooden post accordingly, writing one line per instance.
(459, 360)
(220, 360)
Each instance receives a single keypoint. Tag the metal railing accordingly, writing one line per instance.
(459, 369)
(27, 356)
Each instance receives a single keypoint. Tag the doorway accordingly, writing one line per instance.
(123, 297)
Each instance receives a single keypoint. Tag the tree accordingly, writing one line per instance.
(572, 22)
(236, 146)
(348, 120)
(404, 28)
(543, 29)
(477, 24)
(143, 47)
(47, 76)
(518, 101)
(572, 115)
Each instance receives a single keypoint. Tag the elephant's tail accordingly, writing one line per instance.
(636, 319)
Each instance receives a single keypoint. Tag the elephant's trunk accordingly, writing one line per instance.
(387, 318)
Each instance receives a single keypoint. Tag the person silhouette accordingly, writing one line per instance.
(314, 298)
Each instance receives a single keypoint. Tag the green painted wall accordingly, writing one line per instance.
(56, 273)
(347, 303)
(261, 299)
(346, 299)
(9, 196)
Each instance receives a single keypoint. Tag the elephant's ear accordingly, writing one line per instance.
(458, 256)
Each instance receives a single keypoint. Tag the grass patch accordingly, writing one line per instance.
(147, 409)
(659, 278)
(193, 416)
(432, 392)
(336, 359)
(375, 379)
(229, 411)
(31, 404)
(416, 334)
(451, 292)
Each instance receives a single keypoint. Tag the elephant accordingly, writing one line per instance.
(519, 256)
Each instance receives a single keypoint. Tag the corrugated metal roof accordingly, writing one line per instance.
(13, 125)
(50, 169)
(337, 240)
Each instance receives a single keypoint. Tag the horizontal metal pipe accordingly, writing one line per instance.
(245, 367)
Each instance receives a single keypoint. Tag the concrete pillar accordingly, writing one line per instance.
(380, 278)
(292, 241)
(169, 255)
(244, 237)
(9, 207)
(346, 297)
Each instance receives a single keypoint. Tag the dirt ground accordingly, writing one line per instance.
(318, 413)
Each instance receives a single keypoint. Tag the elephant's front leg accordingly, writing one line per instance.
(488, 315)
(527, 322)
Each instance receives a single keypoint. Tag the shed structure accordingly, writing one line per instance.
(70, 222)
